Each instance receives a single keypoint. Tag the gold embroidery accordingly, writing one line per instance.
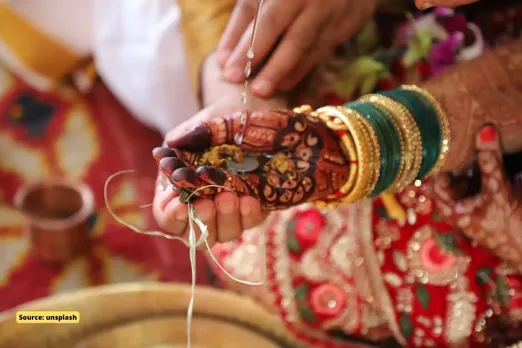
(404, 300)
(461, 313)
(421, 272)
(386, 234)
(362, 213)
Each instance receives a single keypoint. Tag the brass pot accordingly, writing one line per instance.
(57, 213)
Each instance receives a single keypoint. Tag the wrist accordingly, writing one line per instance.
(391, 140)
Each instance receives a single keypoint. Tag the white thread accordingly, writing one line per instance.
(192, 244)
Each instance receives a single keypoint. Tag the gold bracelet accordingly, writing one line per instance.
(409, 132)
(359, 135)
(445, 127)
(374, 158)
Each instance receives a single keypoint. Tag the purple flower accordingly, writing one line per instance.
(443, 54)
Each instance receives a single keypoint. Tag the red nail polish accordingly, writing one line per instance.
(488, 134)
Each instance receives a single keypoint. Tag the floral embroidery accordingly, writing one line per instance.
(423, 296)
(406, 325)
(301, 295)
(387, 233)
(304, 229)
(327, 300)
(434, 259)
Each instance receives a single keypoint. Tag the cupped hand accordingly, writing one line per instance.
(425, 4)
(227, 215)
(295, 157)
(292, 37)
(493, 217)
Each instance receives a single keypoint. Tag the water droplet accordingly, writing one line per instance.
(250, 53)
(248, 69)
(244, 98)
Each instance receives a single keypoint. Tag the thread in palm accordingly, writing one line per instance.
(193, 243)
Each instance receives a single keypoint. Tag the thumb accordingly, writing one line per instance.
(252, 131)
(489, 153)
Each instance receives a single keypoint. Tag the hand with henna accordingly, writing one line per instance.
(493, 217)
(289, 158)
(226, 215)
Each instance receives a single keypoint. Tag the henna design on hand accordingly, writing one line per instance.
(493, 217)
(299, 158)
(485, 90)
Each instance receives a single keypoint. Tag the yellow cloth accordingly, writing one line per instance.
(36, 51)
(202, 23)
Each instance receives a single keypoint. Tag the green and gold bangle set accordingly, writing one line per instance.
(392, 139)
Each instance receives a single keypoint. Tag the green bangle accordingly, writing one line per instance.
(389, 141)
(428, 122)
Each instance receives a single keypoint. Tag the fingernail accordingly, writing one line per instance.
(488, 134)
(226, 207)
(245, 209)
(162, 152)
(262, 87)
(234, 74)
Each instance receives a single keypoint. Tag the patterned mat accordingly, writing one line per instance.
(87, 137)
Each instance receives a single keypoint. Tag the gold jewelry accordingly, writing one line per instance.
(410, 134)
(444, 122)
(374, 158)
(358, 132)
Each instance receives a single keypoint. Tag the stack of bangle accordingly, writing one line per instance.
(392, 138)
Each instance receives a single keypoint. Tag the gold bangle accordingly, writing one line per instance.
(409, 132)
(374, 158)
(359, 134)
(444, 122)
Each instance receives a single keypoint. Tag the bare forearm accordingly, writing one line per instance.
(486, 90)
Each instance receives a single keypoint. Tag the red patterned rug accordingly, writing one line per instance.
(88, 137)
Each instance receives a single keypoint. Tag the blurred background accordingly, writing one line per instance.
(63, 133)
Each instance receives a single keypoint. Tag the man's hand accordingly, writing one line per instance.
(300, 33)
(426, 4)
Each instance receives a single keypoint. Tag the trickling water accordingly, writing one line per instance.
(248, 70)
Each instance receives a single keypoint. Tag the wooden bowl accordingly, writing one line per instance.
(148, 315)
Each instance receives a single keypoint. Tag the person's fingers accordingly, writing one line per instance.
(303, 67)
(300, 40)
(243, 14)
(162, 152)
(252, 214)
(426, 4)
(272, 23)
(170, 214)
(206, 211)
(336, 31)
(241, 185)
(489, 153)
(228, 217)
(259, 130)
(167, 165)
(187, 179)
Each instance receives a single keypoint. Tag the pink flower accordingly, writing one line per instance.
(434, 258)
(327, 300)
(309, 224)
